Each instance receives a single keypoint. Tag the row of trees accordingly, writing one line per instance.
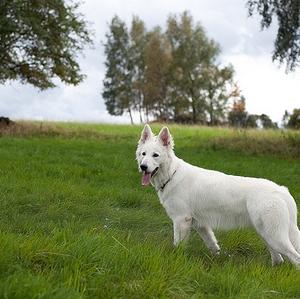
(239, 117)
(173, 75)
(170, 75)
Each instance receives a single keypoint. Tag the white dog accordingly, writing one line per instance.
(206, 199)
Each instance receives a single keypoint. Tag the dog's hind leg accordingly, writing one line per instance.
(286, 248)
(272, 223)
(182, 227)
(275, 257)
(294, 235)
(207, 235)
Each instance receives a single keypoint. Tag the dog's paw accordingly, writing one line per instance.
(216, 252)
(222, 253)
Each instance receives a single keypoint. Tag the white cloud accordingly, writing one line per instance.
(266, 88)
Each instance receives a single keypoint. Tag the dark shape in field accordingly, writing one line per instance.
(5, 121)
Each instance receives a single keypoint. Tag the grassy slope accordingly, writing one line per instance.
(76, 223)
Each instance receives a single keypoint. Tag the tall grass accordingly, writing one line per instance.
(284, 143)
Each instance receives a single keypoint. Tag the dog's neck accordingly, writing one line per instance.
(166, 172)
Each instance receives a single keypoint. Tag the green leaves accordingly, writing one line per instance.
(294, 120)
(287, 13)
(40, 41)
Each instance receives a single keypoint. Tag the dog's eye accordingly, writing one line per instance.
(155, 155)
(144, 153)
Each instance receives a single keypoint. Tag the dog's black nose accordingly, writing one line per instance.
(143, 167)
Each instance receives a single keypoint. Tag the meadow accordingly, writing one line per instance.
(75, 221)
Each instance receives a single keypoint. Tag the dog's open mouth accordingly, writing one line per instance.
(147, 176)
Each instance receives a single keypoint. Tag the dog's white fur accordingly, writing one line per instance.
(206, 200)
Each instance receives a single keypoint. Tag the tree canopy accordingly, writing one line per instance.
(40, 40)
(287, 14)
(292, 121)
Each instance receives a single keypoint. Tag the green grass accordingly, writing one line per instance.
(76, 223)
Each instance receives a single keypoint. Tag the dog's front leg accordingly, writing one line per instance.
(182, 227)
(209, 238)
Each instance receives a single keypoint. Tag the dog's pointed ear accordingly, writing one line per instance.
(146, 134)
(166, 138)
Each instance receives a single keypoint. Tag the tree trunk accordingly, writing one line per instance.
(130, 114)
(211, 113)
(194, 111)
(140, 112)
(211, 108)
(147, 114)
(193, 103)
(140, 105)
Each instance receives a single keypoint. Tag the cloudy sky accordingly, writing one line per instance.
(267, 88)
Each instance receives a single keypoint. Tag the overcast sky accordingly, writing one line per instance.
(267, 88)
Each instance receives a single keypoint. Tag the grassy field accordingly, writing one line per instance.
(75, 221)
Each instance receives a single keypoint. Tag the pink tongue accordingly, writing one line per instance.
(146, 178)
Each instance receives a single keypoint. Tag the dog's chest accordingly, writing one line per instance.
(173, 205)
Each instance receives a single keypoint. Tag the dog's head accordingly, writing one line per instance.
(152, 152)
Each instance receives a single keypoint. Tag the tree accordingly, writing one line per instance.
(218, 88)
(238, 115)
(117, 92)
(137, 52)
(157, 60)
(251, 120)
(194, 69)
(294, 120)
(266, 122)
(287, 13)
(192, 52)
(285, 119)
(40, 40)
